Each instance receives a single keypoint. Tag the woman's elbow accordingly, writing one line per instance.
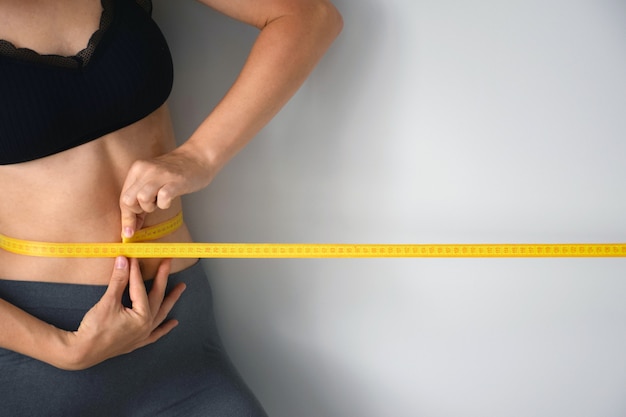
(327, 18)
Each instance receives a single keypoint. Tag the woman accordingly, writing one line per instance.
(87, 152)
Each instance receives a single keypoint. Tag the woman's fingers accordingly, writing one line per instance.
(160, 304)
(159, 332)
(137, 292)
(148, 186)
(168, 303)
(119, 279)
(109, 328)
(154, 184)
(159, 285)
(165, 196)
(154, 306)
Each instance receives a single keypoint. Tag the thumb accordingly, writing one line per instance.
(119, 278)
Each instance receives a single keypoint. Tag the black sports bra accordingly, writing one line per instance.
(50, 103)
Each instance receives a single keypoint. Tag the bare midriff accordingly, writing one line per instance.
(73, 196)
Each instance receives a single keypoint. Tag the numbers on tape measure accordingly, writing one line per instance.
(139, 247)
(311, 250)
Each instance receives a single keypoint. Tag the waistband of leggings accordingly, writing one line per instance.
(50, 294)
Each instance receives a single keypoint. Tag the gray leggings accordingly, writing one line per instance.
(186, 373)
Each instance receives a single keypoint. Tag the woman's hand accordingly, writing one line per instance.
(110, 329)
(155, 183)
(294, 34)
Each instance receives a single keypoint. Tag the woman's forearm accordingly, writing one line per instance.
(294, 36)
(26, 334)
(284, 54)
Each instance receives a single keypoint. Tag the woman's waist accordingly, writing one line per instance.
(15, 266)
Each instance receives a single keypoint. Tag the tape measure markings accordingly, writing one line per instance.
(157, 231)
(309, 250)
(136, 247)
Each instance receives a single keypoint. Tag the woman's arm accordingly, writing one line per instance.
(109, 329)
(294, 34)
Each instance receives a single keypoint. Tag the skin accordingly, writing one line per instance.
(135, 176)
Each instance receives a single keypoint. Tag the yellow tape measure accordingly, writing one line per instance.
(311, 250)
(136, 247)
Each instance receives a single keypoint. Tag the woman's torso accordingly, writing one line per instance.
(73, 195)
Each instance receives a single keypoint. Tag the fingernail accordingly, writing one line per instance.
(128, 232)
(121, 262)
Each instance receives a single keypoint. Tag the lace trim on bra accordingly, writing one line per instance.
(146, 5)
(82, 58)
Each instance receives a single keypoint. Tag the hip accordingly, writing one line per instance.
(30, 387)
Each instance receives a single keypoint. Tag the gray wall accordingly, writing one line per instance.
(429, 121)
